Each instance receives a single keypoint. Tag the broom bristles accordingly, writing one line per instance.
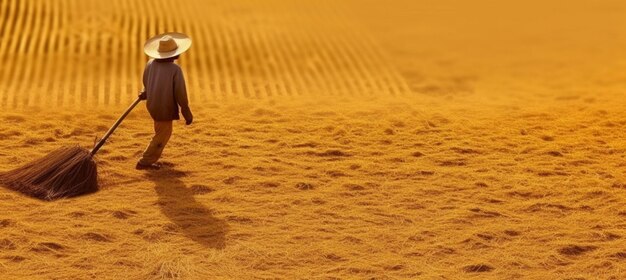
(66, 172)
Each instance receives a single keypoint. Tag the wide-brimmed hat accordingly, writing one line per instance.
(167, 45)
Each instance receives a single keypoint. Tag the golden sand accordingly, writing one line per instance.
(350, 140)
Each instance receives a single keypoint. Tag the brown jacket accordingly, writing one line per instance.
(165, 90)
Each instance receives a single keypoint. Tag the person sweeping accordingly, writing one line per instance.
(72, 170)
(164, 91)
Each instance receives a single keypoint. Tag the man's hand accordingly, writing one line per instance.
(142, 95)
(188, 121)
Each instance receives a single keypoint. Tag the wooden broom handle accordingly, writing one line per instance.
(115, 125)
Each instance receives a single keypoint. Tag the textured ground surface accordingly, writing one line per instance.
(413, 140)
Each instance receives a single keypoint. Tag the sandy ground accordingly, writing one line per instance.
(420, 140)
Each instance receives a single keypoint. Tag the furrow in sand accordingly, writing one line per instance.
(325, 70)
(216, 60)
(253, 60)
(203, 45)
(110, 56)
(393, 79)
(120, 69)
(45, 28)
(150, 19)
(347, 68)
(278, 43)
(90, 64)
(284, 62)
(5, 20)
(270, 61)
(70, 77)
(152, 12)
(380, 79)
(328, 69)
(365, 71)
(352, 34)
(233, 78)
(53, 42)
(12, 15)
(343, 66)
(29, 87)
(240, 74)
(13, 56)
(104, 44)
(240, 57)
(54, 54)
(362, 69)
(160, 12)
(4, 17)
(127, 50)
(39, 32)
(23, 57)
(266, 78)
(303, 57)
(64, 53)
(136, 61)
(377, 54)
(146, 32)
(220, 47)
(372, 51)
(117, 52)
(199, 53)
(193, 76)
(26, 30)
(100, 81)
(169, 24)
(42, 74)
(80, 86)
(259, 75)
(288, 64)
(317, 63)
(372, 69)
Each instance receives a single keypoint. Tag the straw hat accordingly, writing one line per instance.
(167, 45)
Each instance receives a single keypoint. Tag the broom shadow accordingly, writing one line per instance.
(191, 217)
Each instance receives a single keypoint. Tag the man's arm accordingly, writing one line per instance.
(180, 90)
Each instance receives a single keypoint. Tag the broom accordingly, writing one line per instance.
(66, 172)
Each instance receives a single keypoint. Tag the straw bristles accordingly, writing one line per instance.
(66, 172)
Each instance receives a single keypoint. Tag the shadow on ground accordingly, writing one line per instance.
(193, 219)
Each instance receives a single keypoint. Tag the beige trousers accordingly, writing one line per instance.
(162, 133)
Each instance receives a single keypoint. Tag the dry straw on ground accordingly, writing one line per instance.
(329, 142)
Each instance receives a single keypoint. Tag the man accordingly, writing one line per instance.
(165, 91)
